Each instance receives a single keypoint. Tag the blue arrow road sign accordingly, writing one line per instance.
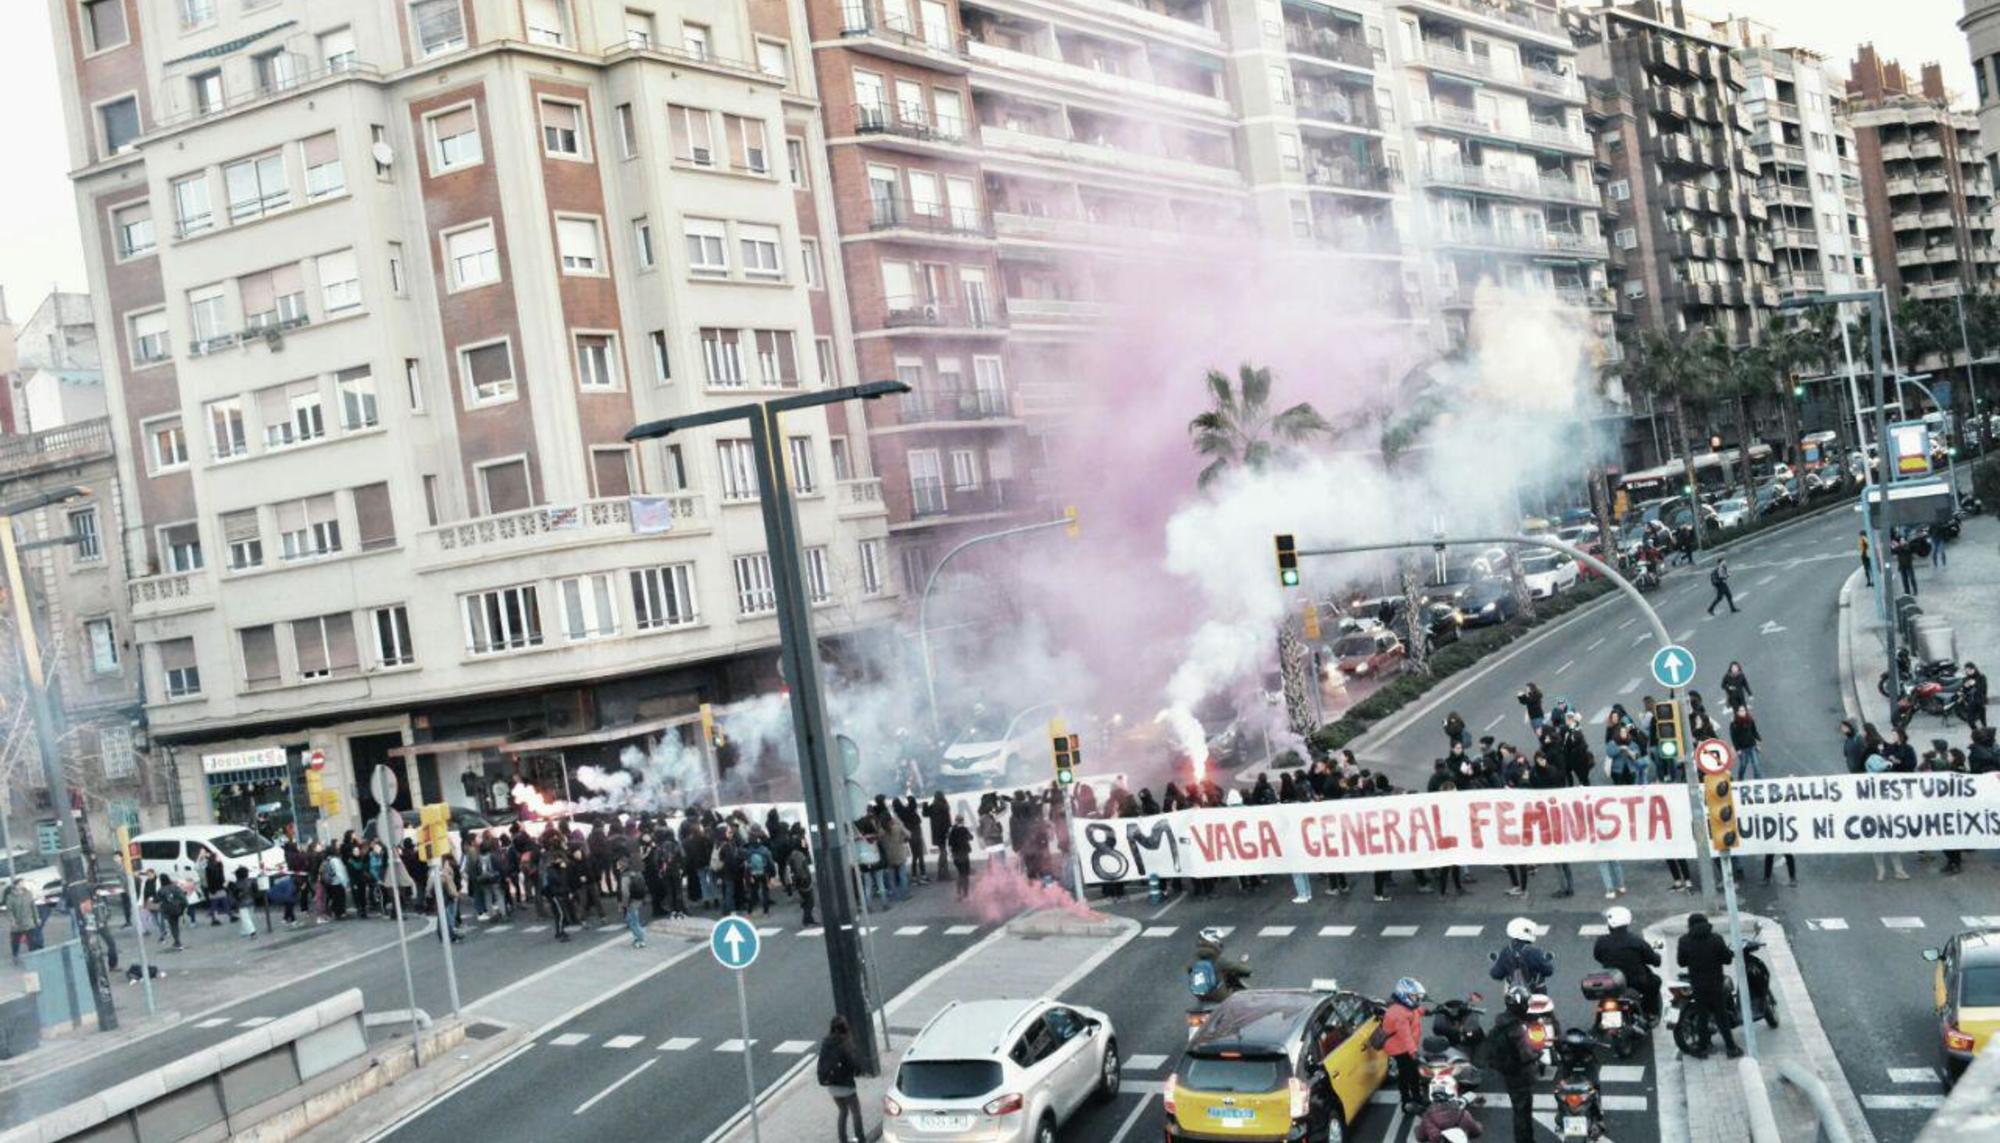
(1673, 665)
(734, 943)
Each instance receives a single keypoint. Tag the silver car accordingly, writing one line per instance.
(1000, 1071)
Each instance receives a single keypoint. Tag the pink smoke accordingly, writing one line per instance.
(1001, 894)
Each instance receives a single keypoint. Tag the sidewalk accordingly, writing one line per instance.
(1702, 1101)
(1961, 592)
(1038, 954)
(218, 968)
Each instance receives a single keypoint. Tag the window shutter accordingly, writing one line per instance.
(239, 526)
(614, 477)
(320, 510)
(488, 364)
(260, 293)
(260, 654)
(286, 280)
(322, 149)
(373, 515)
(291, 516)
(176, 654)
(309, 640)
(506, 487)
(452, 123)
(341, 652)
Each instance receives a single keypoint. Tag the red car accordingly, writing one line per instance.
(1368, 653)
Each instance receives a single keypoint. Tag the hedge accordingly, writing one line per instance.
(1986, 480)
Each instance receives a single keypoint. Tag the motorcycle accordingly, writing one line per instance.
(1444, 1068)
(1648, 576)
(1458, 1022)
(1544, 1031)
(1233, 971)
(1579, 1103)
(1691, 1027)
(1620, 1018)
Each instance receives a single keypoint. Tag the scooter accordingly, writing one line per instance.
(1691, 1029)
(1648, 576)
(1445, 1069)
(1544, 1031)
(1234, 971)
(1620, 1017)
(1579, 1103)
(1458, 1022)
(1943, 671)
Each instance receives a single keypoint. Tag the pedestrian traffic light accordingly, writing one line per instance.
(1718, 797)
(1667, 733)
(1312, 621)
(1288, 560)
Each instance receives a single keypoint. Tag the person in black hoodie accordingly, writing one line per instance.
(959, 842)
(937, 813)
(1706, 957)
(1626, 951)
(836, 1075)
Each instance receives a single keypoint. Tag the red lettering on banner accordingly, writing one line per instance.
(1476, 815)
(1509, 835)
(1573, 821)
(1444, 840)
(1267, 839)
(1392, 831)
(1312, 844)
(1658, 822)
(1422, 838)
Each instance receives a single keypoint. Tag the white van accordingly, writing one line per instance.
(176, 852)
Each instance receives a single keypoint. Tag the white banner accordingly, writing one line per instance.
(1404, 831)
(1869, 813)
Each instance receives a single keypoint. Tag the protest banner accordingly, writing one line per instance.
(1868, 813)
(1406, 831)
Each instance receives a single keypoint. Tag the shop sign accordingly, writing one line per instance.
(260, 759)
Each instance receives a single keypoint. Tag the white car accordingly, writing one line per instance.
(1000, 1071)
(1015, 757)
(176, 851)
(1547, 573)
(1732, 512)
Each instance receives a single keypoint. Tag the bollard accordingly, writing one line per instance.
(1154, 892)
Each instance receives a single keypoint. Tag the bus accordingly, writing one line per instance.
(1713, 471)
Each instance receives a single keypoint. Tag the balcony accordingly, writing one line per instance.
(1794, 238)
(926, 219)
(159, 595)
(1351, 237)
(1515, 13)
(910, 124)
(1082, 232)
(1789, 195)
(1788, 153)
(1795, 282)
(1669, 101)
(531, 531)
(1342, 173)
(1900, 186)
(1056, 311)
(1105, 156)
(65, 445)
(1575, 242)
(1457, 118)
(1927, 149)
(932, 502)
(919, 315)
(301, 79)
(1932, 184)
(1329, 45)
(1016, 66)
(1897, 152)
(861, 496)
(1559, 241)
(1472, 177)
(953, 406)
(890, 36)
(1785, 109)
(1334, 106)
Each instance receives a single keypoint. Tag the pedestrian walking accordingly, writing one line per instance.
(1530, 698)
(799, 874)
(173, 906)
(1736, 685)
(1938, 539)
(1718, 578)
(959, 842)
(631, 891)
(836, 1075)
(1904, 549)
(243, 893)
(555, 889)
(24, 921)
(1972, 696)
(284, 893)
(1744, 736)
(214, 886)
(1867, 564)
(451, 887)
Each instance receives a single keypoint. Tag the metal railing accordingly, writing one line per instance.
(1327, 44)
(60, 445)
(1333, 106)
(921, 405)
(900, 213)
(862, 20)
(1343, 172)
(265, 93)
(905, 312)
(907, 123)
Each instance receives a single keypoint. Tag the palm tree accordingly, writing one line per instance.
(1747, 371)
(1682, 372)
(1241, 429)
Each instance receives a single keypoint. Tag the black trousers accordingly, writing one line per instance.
(1522, 1096)
(1722, 595)
(1715, 1002)
(1409, 1084)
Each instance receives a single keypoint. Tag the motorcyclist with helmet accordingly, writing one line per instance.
(1510, 1054)
(1448, 1121)
(1626, 951)
(1521, 961)
(1211, 966)
(1402, 1034)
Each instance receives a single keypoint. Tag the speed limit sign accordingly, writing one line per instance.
(1713, 756)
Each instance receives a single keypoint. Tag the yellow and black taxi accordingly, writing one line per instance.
(1966, 991)
(1277, 1064)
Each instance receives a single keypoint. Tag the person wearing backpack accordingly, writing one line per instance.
(631, 890)
(1718, 578)
(836, 1075)
(759, 865)
(798, 871)
(284, 892)
(173, 906)
(1508, 1052)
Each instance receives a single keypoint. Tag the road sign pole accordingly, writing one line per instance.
(1736, 942)
(749, 1070)
(1690, 770)
(394, 868)
(444, 930)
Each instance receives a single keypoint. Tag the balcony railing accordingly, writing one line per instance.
(907, 123)
(1499, 179)
(304, 77)
(898, 213)
(1466, 118)
(508, 534)
(905, 312)
(1327, 44)
(64, 444)
(1030, 65)
(1056, 310)
(165, 594)
(1346, 174)
(1048, 228)
(861, 496)
(1334, 106)
(1055, 149)
(1802, 282)
(932, 497)
(922, 405)
(862, 20)
(1519, 13)
(1786, 109)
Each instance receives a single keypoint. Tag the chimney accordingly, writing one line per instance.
(1934, 83)
(1865, 75)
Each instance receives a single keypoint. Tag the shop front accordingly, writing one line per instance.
(261, 788)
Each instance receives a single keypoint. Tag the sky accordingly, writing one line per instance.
(39, 246)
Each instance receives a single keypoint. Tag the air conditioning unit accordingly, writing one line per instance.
(703, 155)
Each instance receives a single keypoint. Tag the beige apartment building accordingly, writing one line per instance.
(381, 288)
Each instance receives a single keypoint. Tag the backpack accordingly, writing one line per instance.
(834, 1070)
(173, 902)
(1202, 977)
(757, 862)
(1715, 577)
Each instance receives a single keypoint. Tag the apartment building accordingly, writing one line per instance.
(1981, 25)
(1809, 167)
(1925, 183)
(381, 289)
(56, 379)
(1673, 146)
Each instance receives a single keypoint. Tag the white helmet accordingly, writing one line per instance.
(1521, 929)
(1617, 916)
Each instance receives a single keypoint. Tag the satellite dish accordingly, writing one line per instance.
(383, 154)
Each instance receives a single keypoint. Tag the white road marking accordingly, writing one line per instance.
(793, 1048)
(769, 930)
(961, 930)
(1223, 930)
(611, 928)
(1903, 922)
(1566, 666)
(1594, 646)
(1497, 719)
(623, 1042)
(1684, 636)
(911, 930)
(734, 1045)
(1765, 580)
(1336, 930)
(1159, 930)
(621, 1081)
(1980, 922)
(568, 1040)
(1132, 1119)
(1598, 718)
(1640, 638)
(1627, 623)
(1544, 1101)
(1631, 686)
(1464, 930)
(1622, 1073)
(213, 1022)
(815, 931)
(1399, 930)
(1827, 924)
(255, 1021)
(499, 928)
(1162, 910)
(1913, 1075)
(677, 1044)
(536, 929)
(1275, 931)
(1144, 1063)
(1592, 930)
(1903, 1102)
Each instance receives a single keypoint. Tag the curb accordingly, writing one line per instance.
(1059, 923)
(1851, 698)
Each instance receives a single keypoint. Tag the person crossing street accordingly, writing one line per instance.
(1718, 578)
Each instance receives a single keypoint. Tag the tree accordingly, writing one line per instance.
(1790, 351)
(1681, 372)
(1747, 371)
(1241, 429)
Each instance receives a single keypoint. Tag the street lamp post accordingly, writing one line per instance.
(821, 785)
(924, 605)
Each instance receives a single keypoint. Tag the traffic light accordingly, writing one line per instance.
(1312, 621)
(1668, 737)
(710, 733)
(1799, 390)
(1288, 560)
(1718, 797)
(1066, 749)
(434, 830)
(1074, 528)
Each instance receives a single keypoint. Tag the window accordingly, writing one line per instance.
(675, 463)
(799, 454)
(103, 643)
(597, 361)
(638, 28)
(587, 608)
(1281, 86)
(488, 371)
(579, 245)
(392, 637)
(148, 334)
(989, 385)
(356, 390)
(795, 162)
(205, 94)
(325, 177)
(562, 133)
(336, 49)
(105, 21)
(325, 646)
(308, 529)
(439, 26)
(398, 285)
(694, 39)
(454, 138)
(547, 22)
(937, 24)
(208, 315)
(777, 363)
(611, 472)
(195, 13)
(707, 246)
(842, 469)
(819, 584)
(926, 483)
(119, 120)
(823, 347)
(642, 242)
(260, 656)
(809, 259)
(1626, 238)
(114, 748)
(1620, 189)
(1302, 223)
(256, 187)
(503, 487)
(760, 251)
(431, 512)
(747, 146)
(722, 354)
(1288, 151)
(964, 470)
(226, 436)
(413, 382)
(964, 200)
(774, 60)
(693, 138)
(870, 104)
(168, 445)
(89, 543)
(134, 227)
(473, 257)
(291, 414)
(243, 540)
(339, 281)
(924, 199)
(738, 462)
(374, 518)
(504, 620)
(182, 676)
(910, 106)
(754, 593)
(276, 70)
(664, 597)
(181, 544)
(628, 132)
(662, 366)
(192, 213)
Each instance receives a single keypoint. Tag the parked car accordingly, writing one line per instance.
(176, 851)
(1367, 653)
(1732, 513)
(1275, 1064)
(461, 819)
(1488, 604)
(979, 757)
(1547, 573)
(1005, 1071)
(1442, 628)
(1965, 993)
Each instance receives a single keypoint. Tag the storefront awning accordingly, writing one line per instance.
(594, 737)
(483, 742)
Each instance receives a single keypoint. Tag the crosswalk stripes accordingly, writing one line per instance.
(1159, 930)
(255, 1021)
(567, 1040)
(1336, 930)
(910, 930)
(1977, 921)
(793, 1047)
(1826, 924)
(536, 929)
(1275, 931)
(622, 1042)
(1903, 922)
(678, 1044)
(735, 1045)
(1913, 1075)
(213, 1022)
(1592, 930)
(961, 930)
(1399, 930)
(1143, 1062)
(1464, 930)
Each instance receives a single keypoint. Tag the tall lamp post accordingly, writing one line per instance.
(824, 793)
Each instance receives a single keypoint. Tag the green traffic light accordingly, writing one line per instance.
(1669, 748)
(1289, 577)
(1065, 776)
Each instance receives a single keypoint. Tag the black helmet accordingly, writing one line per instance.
(1517, 1000)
